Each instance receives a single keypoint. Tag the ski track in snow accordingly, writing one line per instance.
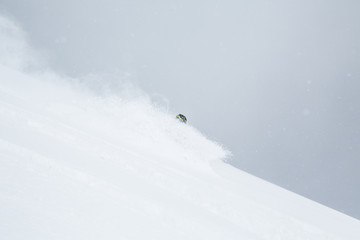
(75, 166)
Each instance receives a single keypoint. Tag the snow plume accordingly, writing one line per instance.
(79, 165)
(14, 49)
(91, 98)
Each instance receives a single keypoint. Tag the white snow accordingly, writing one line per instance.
(74, 165)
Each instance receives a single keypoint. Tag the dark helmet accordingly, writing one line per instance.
(182, 118)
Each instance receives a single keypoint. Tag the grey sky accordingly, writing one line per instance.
(277, 82)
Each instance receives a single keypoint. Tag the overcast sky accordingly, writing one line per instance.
(276, 82)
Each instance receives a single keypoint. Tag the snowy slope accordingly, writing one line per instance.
(74, 165)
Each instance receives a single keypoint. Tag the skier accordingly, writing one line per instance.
(182, 118)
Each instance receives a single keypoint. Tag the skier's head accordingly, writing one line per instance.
(182, 118)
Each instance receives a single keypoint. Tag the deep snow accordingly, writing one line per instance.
(76, 165)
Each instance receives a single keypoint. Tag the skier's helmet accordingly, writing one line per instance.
(182, 118)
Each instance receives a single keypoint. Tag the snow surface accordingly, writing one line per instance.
(74, 165)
